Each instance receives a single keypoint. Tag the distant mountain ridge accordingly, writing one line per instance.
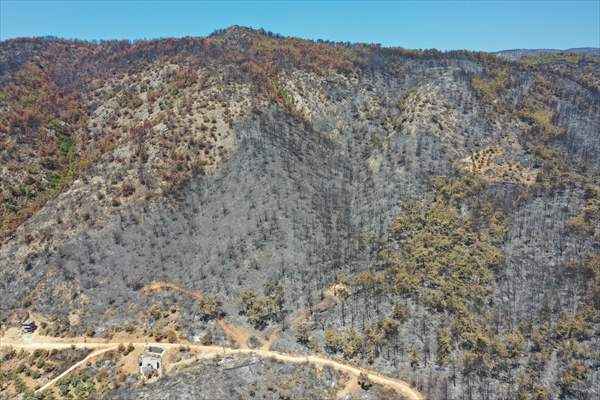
(515, 54)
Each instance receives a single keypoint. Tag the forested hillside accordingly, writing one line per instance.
(432, 215)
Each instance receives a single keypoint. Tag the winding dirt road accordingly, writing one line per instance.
(238, 335)
(48, 343)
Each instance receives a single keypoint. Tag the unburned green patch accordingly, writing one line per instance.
(441, 260)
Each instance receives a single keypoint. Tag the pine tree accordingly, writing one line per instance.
(444, 346)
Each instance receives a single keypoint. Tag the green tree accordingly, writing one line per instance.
(515, 343)
(413, 358)
(333, 341)
(301, 332)
(209, 308)
(444, 346)
(351, 344)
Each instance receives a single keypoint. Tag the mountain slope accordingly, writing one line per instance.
(454, 194)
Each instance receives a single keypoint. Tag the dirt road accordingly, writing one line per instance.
(158, 286)
(42, 342)
(73, 367)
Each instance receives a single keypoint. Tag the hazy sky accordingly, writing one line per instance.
(474, 25)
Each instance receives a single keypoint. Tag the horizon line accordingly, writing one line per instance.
(276, 35)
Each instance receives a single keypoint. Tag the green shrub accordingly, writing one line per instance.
(54, 181)
(280, 94)
(364, 382)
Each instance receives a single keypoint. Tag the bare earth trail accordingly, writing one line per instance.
(157, 286)
(241, 336)
(329, 300)
(73, 367)
(32, 342)
(235, 334)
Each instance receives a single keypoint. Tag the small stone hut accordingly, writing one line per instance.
(150, 360)
(28, 326)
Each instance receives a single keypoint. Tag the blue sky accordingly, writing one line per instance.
(475, 25)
